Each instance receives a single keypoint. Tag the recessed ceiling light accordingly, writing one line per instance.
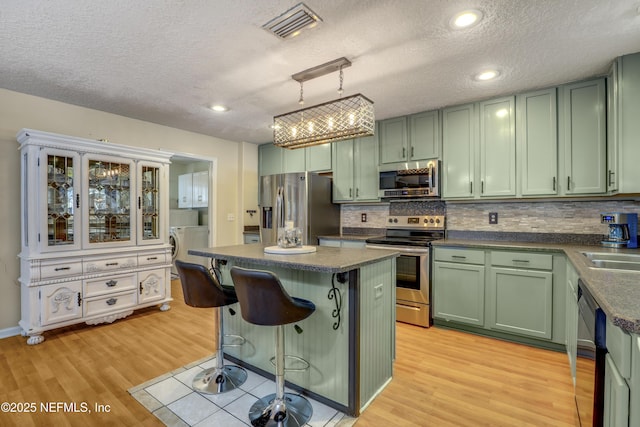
(466, 19)
(219, 108)
(487, 75)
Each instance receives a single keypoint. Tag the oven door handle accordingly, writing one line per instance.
(399, 249)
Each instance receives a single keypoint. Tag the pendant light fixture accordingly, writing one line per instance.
(340, 119)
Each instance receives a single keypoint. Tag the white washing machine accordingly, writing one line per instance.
(188, 237)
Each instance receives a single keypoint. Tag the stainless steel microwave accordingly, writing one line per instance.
(411, 183)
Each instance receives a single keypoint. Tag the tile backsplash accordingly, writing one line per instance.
(568, 217)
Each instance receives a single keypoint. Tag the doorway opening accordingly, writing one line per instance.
(192, 206)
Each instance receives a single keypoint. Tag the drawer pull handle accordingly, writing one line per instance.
(62, 268)
(111, 264)
(520, 260)
(458, 257)
(111, 283)
(111, 301)
(152, 258)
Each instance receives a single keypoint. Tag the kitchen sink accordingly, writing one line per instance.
(612, 257)
(609, 261)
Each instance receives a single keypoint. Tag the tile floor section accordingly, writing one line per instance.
(171, 399)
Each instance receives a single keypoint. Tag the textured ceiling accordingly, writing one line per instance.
(166, 61)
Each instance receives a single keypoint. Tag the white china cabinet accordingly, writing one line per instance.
(94, 231)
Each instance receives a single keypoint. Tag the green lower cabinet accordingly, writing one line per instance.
(520, 302)
(341, 243)
(634, 382)
(458, 293)
(336, 243)
(508, 294)
(571, 319)
(616, 396)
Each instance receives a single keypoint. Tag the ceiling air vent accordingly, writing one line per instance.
(294, 20)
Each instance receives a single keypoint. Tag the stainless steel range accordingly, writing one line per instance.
(412, 237)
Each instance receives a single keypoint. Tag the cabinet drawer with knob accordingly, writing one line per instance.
(110, 303)
(152, 258)
(522, 260)
(465, 256)
(109, 264)
(109, 285)
(50, 270)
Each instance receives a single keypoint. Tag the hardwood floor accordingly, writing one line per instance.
(441, 377)
(449, 378)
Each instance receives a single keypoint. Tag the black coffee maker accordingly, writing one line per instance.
(623, 230)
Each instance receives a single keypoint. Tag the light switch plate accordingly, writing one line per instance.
(493, 217)
(377, 291)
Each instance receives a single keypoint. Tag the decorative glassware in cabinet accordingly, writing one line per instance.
(149, 202)
(60, 206)
(109, 201)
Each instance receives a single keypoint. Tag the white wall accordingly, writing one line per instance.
(19, 111)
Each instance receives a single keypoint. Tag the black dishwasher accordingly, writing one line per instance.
(589, 392)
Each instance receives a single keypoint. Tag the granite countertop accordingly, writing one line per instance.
(617, 292)
(324, 260)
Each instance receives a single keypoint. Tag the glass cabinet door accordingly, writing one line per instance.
(62, 200)
(109, 219)
(150, 179)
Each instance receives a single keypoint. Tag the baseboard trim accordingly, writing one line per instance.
(10, 332)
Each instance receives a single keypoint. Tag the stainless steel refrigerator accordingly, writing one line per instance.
(304, 198)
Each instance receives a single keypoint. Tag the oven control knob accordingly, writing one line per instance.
(431, 220)
(437, 220)
(395, 219)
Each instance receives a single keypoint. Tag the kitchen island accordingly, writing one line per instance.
(349, 339)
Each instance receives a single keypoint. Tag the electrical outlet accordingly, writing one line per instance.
(363, 217)
(493, 217)
(231, 217)
(377, 291)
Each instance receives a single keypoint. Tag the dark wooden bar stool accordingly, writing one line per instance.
(203, 290)
(263, 301)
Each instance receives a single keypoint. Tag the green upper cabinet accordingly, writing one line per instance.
(408, 138)
(343, 176)
(583, 138)
(274, 160)
(613, 96)
(497, 148)
(629, 123)
(537, 143)
(269, 159)
(318, 157)
(393, 140)
(367, 177)
(293, 160)
(424, 136)
(355, 170)
(459, 128)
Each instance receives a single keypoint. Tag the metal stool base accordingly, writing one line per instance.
(216, 381)
(292, 411)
